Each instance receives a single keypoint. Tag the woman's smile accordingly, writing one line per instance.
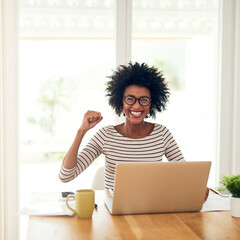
(136, 114)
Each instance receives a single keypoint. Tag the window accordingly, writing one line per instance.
(66, 50)
(181, 39)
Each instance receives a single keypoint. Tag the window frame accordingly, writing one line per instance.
(9, 188)
(228, 131)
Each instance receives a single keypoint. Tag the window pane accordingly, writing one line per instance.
(181, 39)
(66, 50)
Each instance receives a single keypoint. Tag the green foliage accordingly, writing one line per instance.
(232, 183)
(53, 156)
(221, 189)
(54, 96)
(171, 74)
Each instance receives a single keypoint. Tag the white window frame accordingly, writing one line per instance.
(9, 179)
(228, 151)
(123, 31)
(123, 36)
(236, 117)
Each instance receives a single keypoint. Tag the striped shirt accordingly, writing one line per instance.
(118, 148)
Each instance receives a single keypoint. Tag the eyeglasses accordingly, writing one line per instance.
(143, 101)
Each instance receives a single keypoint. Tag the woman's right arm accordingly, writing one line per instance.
(90, 120)
(70, 158)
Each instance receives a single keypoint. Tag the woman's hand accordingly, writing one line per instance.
(206, 194)
(90, 120)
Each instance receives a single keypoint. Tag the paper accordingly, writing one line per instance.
(216, 203)
(48, 204)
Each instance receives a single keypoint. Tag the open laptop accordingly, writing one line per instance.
(158, 187)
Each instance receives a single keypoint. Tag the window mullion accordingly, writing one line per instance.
(123, 31)
(123, 35)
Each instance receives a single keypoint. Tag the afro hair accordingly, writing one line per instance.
(141, 75)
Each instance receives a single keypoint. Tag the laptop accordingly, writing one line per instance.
(158, 187)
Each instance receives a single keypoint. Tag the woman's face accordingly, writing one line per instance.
(136, 112)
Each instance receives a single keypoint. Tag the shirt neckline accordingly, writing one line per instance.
(135, 138)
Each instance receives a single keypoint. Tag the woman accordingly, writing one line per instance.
(137, 91)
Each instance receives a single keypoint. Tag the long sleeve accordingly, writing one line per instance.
(172, 151)
(84, 158)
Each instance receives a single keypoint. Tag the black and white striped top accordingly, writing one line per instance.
(118, 148)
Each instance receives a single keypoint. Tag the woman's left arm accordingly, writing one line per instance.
(172, 151)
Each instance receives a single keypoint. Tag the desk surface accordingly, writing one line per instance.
(197, 225)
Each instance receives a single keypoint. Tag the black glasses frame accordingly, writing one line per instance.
(137, 99)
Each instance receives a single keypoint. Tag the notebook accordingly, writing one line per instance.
(158, 187)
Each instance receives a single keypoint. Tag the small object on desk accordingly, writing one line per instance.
(96, 206)
(84, 203)
(65, 194)
(216, 202)
(47, 204)
(223, 192)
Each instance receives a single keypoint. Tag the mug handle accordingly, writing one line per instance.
(70, 196)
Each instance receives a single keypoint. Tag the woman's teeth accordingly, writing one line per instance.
(137, 114)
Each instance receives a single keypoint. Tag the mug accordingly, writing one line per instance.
(84, 203)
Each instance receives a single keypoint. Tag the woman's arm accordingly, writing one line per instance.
(70, 158)
(91, 119)
(172, 151)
